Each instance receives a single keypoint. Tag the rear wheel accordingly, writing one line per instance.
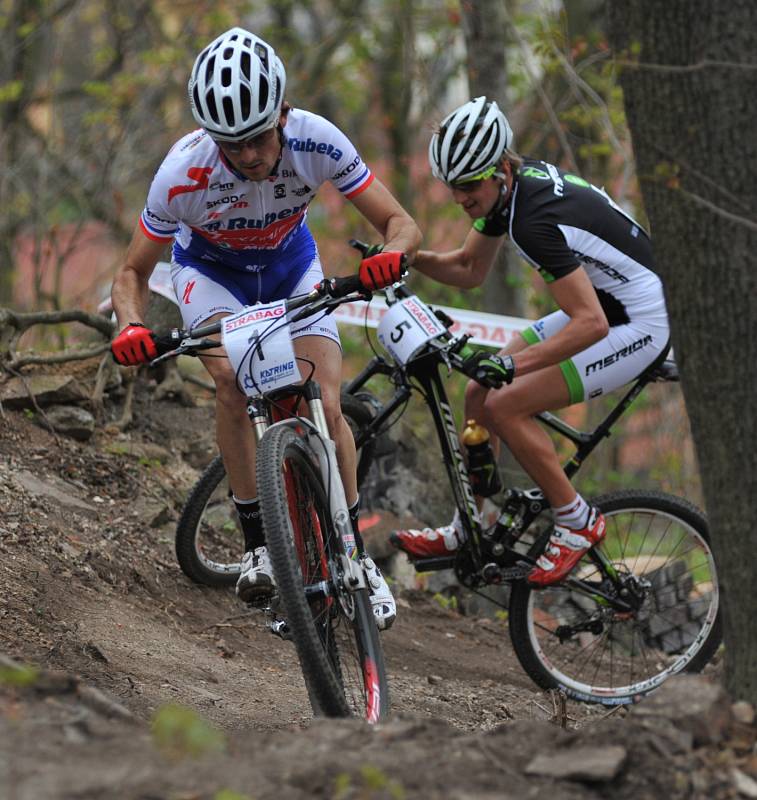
(333, 629)
(209, 540)
(569, 636)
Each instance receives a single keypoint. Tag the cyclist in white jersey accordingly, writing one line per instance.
(232, 198)
(610, 326)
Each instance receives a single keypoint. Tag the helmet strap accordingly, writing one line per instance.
(504, 197)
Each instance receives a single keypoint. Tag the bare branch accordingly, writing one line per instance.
(706, 63)
(537, 84)
(60, 358)
(21, 320)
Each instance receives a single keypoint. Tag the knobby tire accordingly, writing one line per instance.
(202, 541)
(339, 652)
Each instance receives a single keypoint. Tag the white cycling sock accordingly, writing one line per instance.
(574, 515)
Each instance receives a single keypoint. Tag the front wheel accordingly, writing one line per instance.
(657, 560)
(209, 540)
(333, 628)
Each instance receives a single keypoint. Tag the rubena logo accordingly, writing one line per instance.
(309, 146)
(197, 174)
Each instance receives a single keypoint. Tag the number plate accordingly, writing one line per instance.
(406, 327)
(259, 346)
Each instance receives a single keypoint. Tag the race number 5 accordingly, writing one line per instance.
(399, 331)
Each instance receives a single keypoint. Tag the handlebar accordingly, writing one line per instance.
(325, 296)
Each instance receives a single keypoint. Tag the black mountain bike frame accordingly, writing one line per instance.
(423, 375)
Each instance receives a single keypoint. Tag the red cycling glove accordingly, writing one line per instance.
(134, 345)
(382, 270)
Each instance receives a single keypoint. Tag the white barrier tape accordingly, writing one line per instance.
(492, 330)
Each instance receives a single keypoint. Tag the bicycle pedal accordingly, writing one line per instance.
(280, 628)
(433, 564)
(516, 573)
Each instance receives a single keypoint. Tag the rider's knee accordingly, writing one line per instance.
(227, 391)
(499, 406)
(475, 395)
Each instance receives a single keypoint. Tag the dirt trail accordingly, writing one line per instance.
(89, 587)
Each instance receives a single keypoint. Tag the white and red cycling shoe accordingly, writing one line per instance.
(565, 549)
(429, 542)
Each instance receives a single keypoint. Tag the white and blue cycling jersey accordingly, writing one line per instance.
(249, 236)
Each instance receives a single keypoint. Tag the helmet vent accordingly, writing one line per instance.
(228, 110)
(212, 108)
(209, 64)
(226, 76)
(244, 65)
(262, 54)
(263, 95)
(245, 100)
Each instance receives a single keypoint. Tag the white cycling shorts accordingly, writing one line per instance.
(202, 295)
(608, 364)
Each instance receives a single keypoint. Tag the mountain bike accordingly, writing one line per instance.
(639, 607)
(321, 586)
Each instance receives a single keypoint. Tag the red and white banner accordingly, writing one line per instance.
(486, 329)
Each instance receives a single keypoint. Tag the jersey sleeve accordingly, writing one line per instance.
(340, 163)
(490, 227)
(156, 221)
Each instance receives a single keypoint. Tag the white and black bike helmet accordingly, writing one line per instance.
(237, 86)
(470, 141)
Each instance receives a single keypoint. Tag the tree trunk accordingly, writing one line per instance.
(485, 37)
(689, 75)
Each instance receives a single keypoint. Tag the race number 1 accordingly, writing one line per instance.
(259, 346)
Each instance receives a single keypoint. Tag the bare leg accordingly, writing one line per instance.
(234, 435)
(510, 411)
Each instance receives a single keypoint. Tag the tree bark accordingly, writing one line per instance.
(689, 75)
(485, 31)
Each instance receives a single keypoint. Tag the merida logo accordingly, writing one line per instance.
(309, 146)
(608, 361)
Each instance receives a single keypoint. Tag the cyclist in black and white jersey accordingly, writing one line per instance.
(610, 325)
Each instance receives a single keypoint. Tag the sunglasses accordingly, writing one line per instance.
(470, 184)
(235, 148)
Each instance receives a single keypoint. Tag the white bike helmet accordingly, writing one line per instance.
(237, 86)
(470, 141)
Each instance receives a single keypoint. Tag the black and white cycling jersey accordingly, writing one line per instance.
(559, 222)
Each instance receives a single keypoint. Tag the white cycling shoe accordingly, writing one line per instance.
(384, 607)
(256, 580)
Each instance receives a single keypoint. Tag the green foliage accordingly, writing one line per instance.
(180, 733)
(448, 603)
(11, 91)
(371, 782)
(228, 794)
(19, 676)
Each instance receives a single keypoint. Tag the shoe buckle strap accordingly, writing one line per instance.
(354, 574)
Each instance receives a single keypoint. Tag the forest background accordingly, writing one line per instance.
(93, 94)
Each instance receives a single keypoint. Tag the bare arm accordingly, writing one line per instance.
(588, 324)
(465, 267)
(130, 286)
(379, 206)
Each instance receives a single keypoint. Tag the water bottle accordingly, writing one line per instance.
(482, 468)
